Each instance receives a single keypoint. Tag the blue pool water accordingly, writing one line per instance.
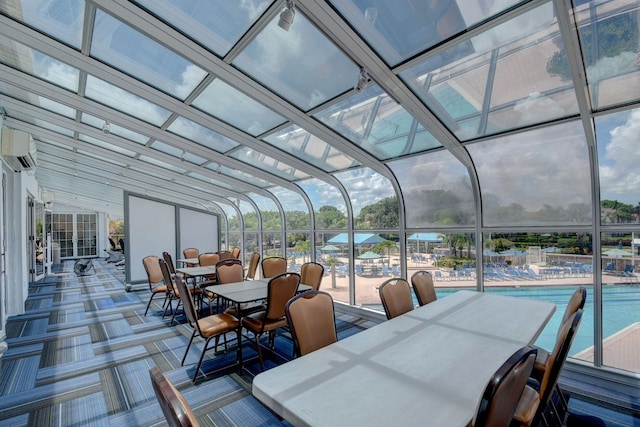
(621, 308)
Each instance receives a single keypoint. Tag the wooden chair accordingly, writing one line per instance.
(231, 271)
(423, 287)
(191, 253)
(174, 292)
(273, 266)
(281, 289)
(212, 326)
(534, 404)
(312, 321)
(254, 260)
(235, 253)
(224, 255)
(311, 274)
(175, 408)
(166, 256)
(209, 259)
(396, 297)
(155, 279)
(502, 394)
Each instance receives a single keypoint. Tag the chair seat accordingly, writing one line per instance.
(255, 321)
(216, 324)
(160, 289)
(527, 407)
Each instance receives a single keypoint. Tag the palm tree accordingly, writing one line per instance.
(385, 244)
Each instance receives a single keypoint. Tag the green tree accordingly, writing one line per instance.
(385, 246)
(382, 214)
(329, 217)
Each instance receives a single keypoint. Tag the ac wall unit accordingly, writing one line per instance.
(18, 149)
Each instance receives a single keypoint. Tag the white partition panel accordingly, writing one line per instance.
(198, 229)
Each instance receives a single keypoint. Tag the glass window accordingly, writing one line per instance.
(618, 160)
(499, 77)
(375, 122)
(209, 180)
(538, 177)
(216, 24)
(130, 51)
(234, 107)
(114, 129)
(295, 63)
(267, 163)
(295, 209)
(103, 144)
(183, 155)
(436, 189)
(328, 204)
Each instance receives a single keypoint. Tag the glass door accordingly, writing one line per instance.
(75, 233)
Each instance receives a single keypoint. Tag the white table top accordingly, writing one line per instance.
(427, 367)
(197, 271)
(194, 261)
(246, 291)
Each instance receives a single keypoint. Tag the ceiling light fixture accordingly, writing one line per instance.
(287, 15)
(106, 127)
(363, 80)
(219, 169)
(182, 156)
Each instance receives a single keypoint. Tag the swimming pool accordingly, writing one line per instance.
(621, 308)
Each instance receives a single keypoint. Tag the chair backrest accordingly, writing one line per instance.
(235, 253)
(152, 267)
(502, 394)
(166, 256)
(273, 266)
(281, 289)
(311, 274)
(396, 297)
(575, 303)
(558, 356)
(167, 276)
(187, 302)
(224, 254)
(208, 258)
(229, 271)
(191, 253)
(422, 283)
(174, 406)
(113, 244)
(121, 243)
(312, 321)
(253, 265)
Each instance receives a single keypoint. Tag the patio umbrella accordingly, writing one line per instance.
(616, 252)
(358, 239)
(330, 248)
(369, 255)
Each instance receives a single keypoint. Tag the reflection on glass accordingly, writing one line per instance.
(302, 144)
(401, 29)
(499, 77)
(328, 204)
(618, 160)
(234, 107)
(610, 41)
(295, 63)
(538, 177)
(375, 204)
(202, 135)
(41, 123)
(378, 124)
(436, 189)
(269, 164)
(38, 101)
(242, 176)
(112, 96)
(216, 24)
(38, 64)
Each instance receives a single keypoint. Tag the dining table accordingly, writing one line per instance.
(429, 366)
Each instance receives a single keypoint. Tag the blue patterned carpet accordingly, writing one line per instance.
(81, 354)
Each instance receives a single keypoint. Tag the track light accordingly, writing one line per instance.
(219, 170)
(182, 159)
(287, 15)
(363, 80)
(106, 127)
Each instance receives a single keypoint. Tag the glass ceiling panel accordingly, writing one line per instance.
(54, 143)
(269, 164)
(148, 172)
(126, 102)
(399, 30)
(209, 180)
(540, 177)
(328, 204)
(242, 176)
(178, 153)
(40, 123)
(162, 164)
(101, 158)
(106, 145)
(215, 24)
(130, 51)
(62, 20)
(202, 135)
(618, 160)
(610, 39)
(374, 121)
(114, 129)
(38, 101)
(367, 190)
(500, 78)
(295, 63)
(436, 189)
(295, 209)
(35, 63)
(234, 107)
(313, 150)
